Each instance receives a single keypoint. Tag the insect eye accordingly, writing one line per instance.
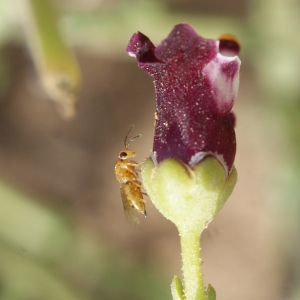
(123, 155)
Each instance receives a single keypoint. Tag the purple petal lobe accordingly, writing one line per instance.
(195, 88)
(142, 48)
(229, 45)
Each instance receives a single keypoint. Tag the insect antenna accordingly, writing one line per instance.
(132, 139)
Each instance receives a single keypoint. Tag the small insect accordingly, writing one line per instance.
(130, 186)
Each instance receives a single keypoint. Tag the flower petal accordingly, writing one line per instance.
(195, 88)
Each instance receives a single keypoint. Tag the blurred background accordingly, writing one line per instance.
(63, 234)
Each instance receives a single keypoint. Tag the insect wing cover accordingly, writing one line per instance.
(131, 214)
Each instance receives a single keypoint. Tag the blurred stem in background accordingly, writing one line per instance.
(278, 68)
(57, 67)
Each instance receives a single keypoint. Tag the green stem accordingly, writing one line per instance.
(192, 265)
(58, 69)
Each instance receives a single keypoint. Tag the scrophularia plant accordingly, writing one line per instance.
(190, 173)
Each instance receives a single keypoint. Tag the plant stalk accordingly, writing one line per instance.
(192, 265)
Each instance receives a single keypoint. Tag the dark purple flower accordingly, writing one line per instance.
(195, 86)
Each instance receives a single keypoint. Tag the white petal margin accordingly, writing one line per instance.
(132, 54)
(196, 158)
(223, 74)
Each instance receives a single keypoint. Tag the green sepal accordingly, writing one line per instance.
(190, 198)
(211, 293)
(176, 289)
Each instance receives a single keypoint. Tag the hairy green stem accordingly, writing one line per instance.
(192, 265)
